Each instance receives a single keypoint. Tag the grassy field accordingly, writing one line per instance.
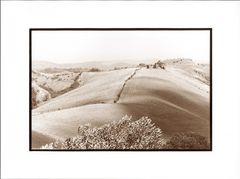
(96, 87)
(174, 98)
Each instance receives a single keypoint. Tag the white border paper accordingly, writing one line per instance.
(16, 160)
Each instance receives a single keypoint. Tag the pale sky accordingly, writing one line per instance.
(83, 46)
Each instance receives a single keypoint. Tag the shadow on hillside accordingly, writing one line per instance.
(171, 111)
(39, 139)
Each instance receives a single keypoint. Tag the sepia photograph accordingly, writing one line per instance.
(89, 88)
(120, 89)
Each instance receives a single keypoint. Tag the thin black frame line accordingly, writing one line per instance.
(126, 150)
(211, 90)
(115, 29)
(30, 90)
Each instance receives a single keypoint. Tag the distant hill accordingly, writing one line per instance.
(105, 65)
(39, 65)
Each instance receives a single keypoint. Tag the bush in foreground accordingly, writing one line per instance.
(123, 134)
(127, 134)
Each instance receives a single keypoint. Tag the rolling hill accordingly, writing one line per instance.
(175, 98)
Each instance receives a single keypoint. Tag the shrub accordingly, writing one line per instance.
(142, 65)
(94, 70)
(122, 134)
(187, 141)
(159, 64)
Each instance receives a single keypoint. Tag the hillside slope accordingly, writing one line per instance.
(172, 101)
(173, 98)
(95, 87)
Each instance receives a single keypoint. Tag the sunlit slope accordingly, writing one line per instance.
(95, 87)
